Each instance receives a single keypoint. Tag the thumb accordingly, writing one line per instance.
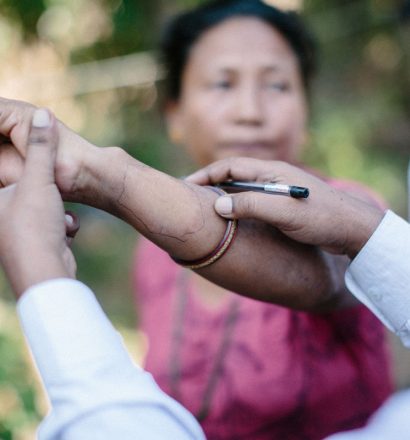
(251, 205)
(41, 149)
(244, 205)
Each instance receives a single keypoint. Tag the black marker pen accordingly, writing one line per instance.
(297, 192)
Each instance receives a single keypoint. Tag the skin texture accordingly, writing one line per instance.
(229, 106)
(242, 94)
(109, 179)
(329, 218)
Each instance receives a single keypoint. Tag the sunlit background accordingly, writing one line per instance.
(93, 63)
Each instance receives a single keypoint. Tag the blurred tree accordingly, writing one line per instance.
(134, 26)
(25, 14)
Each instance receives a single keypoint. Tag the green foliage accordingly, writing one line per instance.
(133, 25)
(23, 13)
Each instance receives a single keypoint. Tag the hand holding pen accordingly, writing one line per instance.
(328, 218)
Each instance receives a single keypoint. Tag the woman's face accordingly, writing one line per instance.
(242, 95)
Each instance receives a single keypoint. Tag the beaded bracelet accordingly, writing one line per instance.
(220, 249)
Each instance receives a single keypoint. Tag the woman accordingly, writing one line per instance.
(238, 79)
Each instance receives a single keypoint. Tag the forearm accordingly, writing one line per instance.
(180, 218)
(41, 267)
(264, 264)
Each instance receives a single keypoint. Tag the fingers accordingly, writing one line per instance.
(72, 223)
(42, 146)
(11, 165)
(72, 226)
(5, 196)
(267, 208)
(15, 122)
(238, 168)
(70, 263)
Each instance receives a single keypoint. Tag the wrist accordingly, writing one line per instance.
(98, 180)
(364, 221)
(23, 276)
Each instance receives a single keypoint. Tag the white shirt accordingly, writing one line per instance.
(95, 390)
(379, 276)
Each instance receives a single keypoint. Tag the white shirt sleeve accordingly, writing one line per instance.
(379, 276)
(390, 422)
(95, 390)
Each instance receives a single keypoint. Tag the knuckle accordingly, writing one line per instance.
(245, 204)
(230, 166)
(232, 161)
(39, 138)
(219, 171)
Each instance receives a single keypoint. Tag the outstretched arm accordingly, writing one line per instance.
(179, 217)
(94, 388)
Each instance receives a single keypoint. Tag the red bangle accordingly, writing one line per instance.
(220, 249)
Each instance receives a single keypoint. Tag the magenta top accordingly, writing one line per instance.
(257, 371)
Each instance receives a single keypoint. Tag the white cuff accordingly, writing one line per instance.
(379, 276)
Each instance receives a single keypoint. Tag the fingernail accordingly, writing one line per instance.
(223, 205)
(41, 118)
(69, 220)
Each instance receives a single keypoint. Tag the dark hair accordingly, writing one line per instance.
(185, 29)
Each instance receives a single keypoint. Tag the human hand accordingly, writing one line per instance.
(33, 244)
(15, 127)
(328, 218)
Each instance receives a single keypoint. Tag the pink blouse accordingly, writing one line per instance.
(257, 371)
